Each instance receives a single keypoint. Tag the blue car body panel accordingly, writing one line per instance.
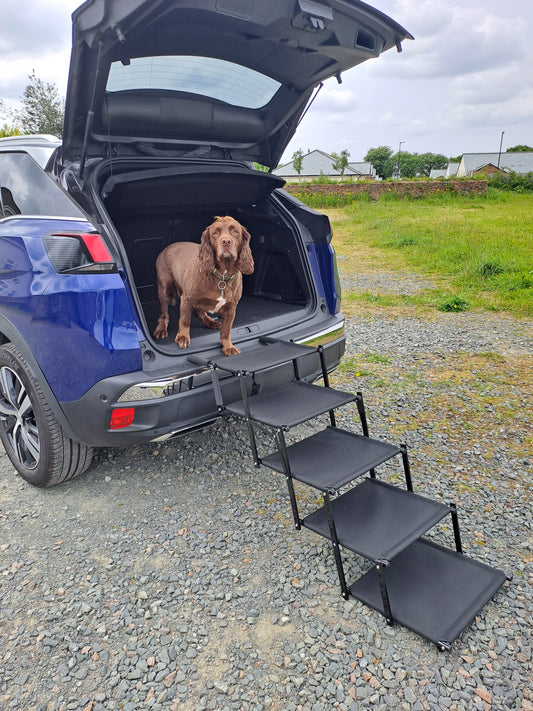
(321, 257)
(77, 326)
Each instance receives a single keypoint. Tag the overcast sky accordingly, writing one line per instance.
(467, 77)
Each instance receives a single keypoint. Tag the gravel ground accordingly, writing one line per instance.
(171, 577)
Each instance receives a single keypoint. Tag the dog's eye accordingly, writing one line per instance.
(234, 231)
(216, 232)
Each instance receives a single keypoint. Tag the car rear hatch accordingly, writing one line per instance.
(152, 203)
(220, 78)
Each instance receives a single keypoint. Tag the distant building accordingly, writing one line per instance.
(437, 173)
(318, 164)
(451, 170)
(475, 163)
(364, 169)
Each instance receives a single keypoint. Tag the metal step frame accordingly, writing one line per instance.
(432, 590)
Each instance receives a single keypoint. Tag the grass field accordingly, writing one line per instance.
(477, 251)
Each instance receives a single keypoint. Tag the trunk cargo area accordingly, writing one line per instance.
(165, 203)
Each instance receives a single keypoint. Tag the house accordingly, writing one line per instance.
(451, 170)
(435, 173)
(318, 164)
(475, 163)
(365, 170)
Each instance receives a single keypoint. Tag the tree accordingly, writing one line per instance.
(519, 149)
(42, 109)
(340, 162)
(380, 158)
(6, 131)
(405, 164)
(426, 162)
(298, 160)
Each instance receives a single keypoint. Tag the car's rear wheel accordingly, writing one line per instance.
(35, 442)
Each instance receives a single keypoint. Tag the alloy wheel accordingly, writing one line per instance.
(17, 418)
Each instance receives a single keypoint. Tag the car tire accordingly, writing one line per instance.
(40, 450)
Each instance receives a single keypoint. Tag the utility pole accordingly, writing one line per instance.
(500, 153)
(399, 153)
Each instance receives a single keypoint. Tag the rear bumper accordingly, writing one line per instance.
(168, 404)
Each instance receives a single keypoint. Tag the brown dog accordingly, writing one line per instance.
(208, 278)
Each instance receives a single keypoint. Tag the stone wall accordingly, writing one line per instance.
(405, 188)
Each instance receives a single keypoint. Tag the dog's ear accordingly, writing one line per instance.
(246, 261)
(206, 255)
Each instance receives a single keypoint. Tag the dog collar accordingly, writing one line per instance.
(224, 277)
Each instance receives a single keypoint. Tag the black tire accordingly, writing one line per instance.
(34, 441)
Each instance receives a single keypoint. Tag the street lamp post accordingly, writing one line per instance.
(500, 153)
(399, 153)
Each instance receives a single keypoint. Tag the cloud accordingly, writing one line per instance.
(40, 43)
(44, 29)
(37, 36)
(452, 40)
(489, 87)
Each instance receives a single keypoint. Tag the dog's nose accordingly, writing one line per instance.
(227, 242)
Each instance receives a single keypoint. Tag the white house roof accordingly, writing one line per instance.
(509, 162)
(437, 173)
(314, 164)
(451, 170)
(363, 168)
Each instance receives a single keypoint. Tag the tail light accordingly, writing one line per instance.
(121, 417)
(79, 253)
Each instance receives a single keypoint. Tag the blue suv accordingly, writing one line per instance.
(169, 106)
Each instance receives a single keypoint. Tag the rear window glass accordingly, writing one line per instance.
(26, 189)
(207, 76)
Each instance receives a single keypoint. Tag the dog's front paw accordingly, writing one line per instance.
(161, 332)
(182, 341)
(230, 350)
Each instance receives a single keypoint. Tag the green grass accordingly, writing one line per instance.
(477, 250)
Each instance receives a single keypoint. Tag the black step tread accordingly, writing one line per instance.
(434, 591)
(332, 457)
(377, 520)
(297, 402)
(266, 356)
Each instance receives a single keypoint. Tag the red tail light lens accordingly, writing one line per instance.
(79, 253)
(121, 417)
(96, 247)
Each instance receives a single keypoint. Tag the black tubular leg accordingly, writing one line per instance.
(282, 448)
(406, 468)
(336, 549)
(249, 423)
(456, 531)
(362, 414)
(380, 569)
(296, 368)
(364, 424)
(216, 388)
(325, 377)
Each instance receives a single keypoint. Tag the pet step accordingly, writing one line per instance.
(433, 591)
(297, 402)
(268, 355)
(331, 458)
(377, 520)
